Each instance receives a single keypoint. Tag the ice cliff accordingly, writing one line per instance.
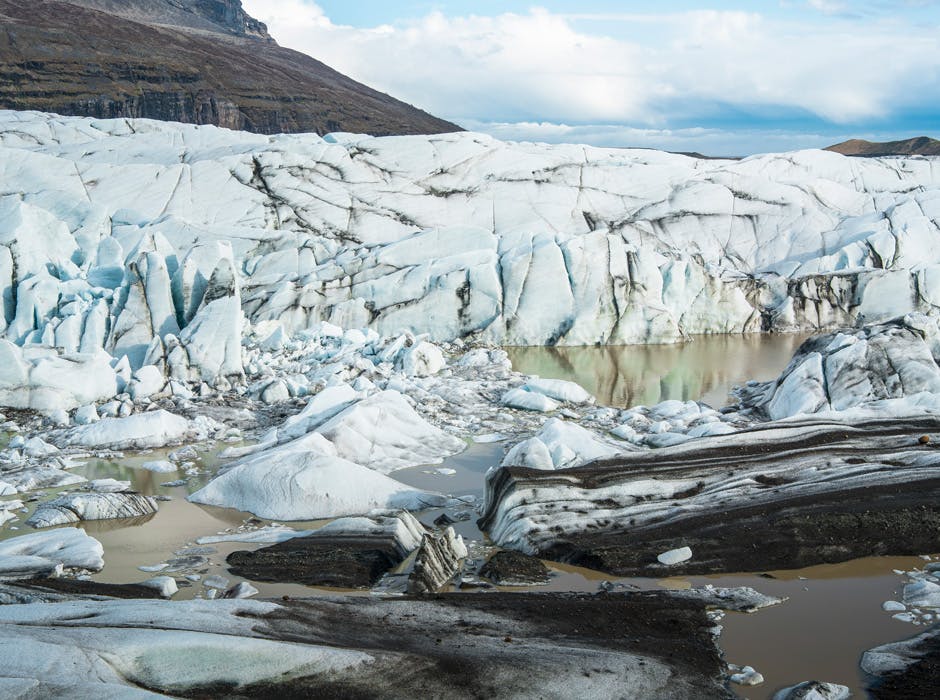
(159, 242)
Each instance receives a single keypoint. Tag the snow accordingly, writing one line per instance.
(306, 480)
(675, 556)
(318, 410)
(384, 433)
(160, 466)
(558, 389)
(529, 401)
(164, 585)
(68, 546)
(144, 430)
(265, 535)
(746, 675)
(109, 485)
(147, 381)
(423, 360)
(559, 445)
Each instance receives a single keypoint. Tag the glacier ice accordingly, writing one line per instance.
(160, 241)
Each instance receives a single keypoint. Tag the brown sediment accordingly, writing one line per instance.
(501, 645)
(340, 562)
(880, 500)
(514, 568)
(888, 521)
(82, 588)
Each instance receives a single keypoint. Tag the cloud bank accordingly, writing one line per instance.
(665, 72)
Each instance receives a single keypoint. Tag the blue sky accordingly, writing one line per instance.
(722, 78)
(368, 13)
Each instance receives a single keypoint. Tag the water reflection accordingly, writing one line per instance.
(704, 369)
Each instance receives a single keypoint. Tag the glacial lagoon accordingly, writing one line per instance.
(705, 368)
(833, 612)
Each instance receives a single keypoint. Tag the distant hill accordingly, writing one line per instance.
(191, 61)
(919, 146)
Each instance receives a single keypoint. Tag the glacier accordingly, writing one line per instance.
(163, 243)
(300, 325)
(337, 301)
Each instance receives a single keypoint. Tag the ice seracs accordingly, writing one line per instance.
(168, 261)
(849, 369)
(46, 379)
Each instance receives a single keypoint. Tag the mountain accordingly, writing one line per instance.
(191, 61)
(222, 16)
(918, 146)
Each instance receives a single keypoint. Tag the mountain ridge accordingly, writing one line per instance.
(916, 146)
(220, 16)
(63, 57)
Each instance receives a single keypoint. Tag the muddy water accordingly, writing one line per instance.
(834, 612)
(832, 616)
(703, 369)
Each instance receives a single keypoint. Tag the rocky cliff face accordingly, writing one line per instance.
(224, 16)
(191, 61)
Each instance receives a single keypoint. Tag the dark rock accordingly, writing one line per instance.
(906, 670)
(510, 568)
(443, 520)
(456, 646)
(333, 557)
(86, 589)
(223, 16)
(317, 562)
(919, 145)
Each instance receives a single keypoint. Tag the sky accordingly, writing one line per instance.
(720, 78)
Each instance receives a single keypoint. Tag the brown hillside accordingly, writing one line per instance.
(921, 146)
(193, 61)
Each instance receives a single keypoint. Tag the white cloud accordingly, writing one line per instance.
(829, 7)
(660, 68)
(711, 142)
(505, 66)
